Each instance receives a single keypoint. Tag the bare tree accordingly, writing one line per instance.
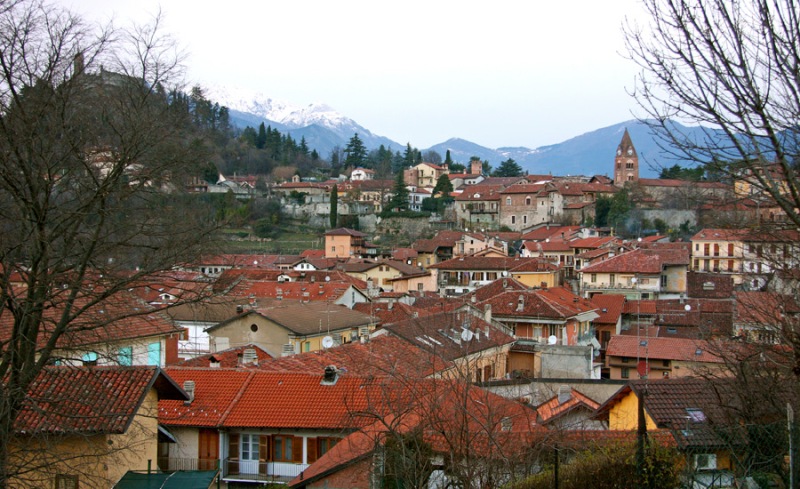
(94, 157)
(732, 68)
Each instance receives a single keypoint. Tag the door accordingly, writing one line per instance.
(248, 453)
(208, 452)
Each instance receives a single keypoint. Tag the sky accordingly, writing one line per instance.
(505, 73)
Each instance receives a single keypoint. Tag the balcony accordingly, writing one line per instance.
(258, 471)
(237, 470)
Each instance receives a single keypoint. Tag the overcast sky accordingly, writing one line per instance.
(505, 73)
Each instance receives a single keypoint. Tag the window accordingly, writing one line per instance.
(612, 278)
(706, 249)
(324, 444)
(625, 373)
(527, 201)
(89, 358)
(333, 249)
(513, 219)
(64, 481)
(249, 448)
(525, 219)
(663, 281)
(730, 249)
(253, 327)
(508, 200)
(125, 356)
(282, 448)
(154, 353)
(593, 278)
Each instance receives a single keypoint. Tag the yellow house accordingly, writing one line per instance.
(87, 426)
(689, 409)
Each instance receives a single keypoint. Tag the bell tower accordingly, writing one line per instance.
(626, 163)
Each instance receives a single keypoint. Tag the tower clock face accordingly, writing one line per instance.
(630, 151)
(619, 152)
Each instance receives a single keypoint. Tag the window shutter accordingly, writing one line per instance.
(233, 453)
(297, 449)
(311, 450)
(263, 453)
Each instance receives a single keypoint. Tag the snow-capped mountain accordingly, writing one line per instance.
(312, 121)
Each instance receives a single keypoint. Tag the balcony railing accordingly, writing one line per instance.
(247, 470)
(235, 470)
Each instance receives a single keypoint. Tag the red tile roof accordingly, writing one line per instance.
(450, 335)
(645, 261)
(680, 349)
(382, 355)
(609, 307)
(230, 358)
(226, 398)
(553, 408)
(89, 400)
(554, 303)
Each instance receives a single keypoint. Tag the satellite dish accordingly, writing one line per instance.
(687, 308)
(327, 342)
(327, 278)
(552, 339)
(466, 335)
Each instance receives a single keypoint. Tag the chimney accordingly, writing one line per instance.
(487, 313)
(78, 64)
(330, 375)
(250, 356)
(564, 394)
(213, 362)
(188, 386)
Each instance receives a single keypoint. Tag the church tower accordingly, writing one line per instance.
(626, 163)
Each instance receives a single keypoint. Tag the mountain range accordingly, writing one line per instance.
(324, 129)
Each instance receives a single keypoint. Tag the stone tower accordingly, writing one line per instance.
(626, 163)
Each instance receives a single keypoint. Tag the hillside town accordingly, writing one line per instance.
(461, 360)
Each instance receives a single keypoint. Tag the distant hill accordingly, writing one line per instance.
(324, 129)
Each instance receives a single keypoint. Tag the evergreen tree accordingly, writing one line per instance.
(356, 152)
(261, 138)
(303, 145)
(334, 205)
(443, 186)
(399, 201)
(508, 168)
(447, 159)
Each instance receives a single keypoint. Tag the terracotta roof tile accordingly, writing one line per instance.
(680, 349)
(88, 400)
(609, 307)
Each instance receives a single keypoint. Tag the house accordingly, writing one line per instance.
(478, 206)
(337, 292)
(523, 205)
(381, 273)
(693, 411)
(540, 314)
(227, 422)
(765, 317)
(87, 426)
(569, 410)
(462, 275)
(464, 337)
(632, 357)
(424, 174)
(345, 243)
(454, 422)
(639, 274)
(362, 174)
(751, 257)
(287, 327)
(608, 323)
(416, 195)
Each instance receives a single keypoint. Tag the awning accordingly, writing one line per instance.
(198, 479)
(164, 436)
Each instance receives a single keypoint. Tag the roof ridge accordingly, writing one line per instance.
(236, 398)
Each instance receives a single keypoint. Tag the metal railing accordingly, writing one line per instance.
(234, 469)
